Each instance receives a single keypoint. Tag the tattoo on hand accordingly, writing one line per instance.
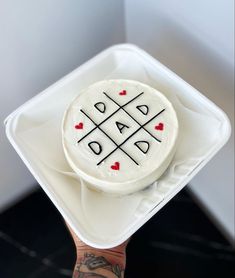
(97, 267)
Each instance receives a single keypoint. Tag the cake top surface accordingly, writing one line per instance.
(117, 132)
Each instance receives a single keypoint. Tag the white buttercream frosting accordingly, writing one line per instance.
(119, 135)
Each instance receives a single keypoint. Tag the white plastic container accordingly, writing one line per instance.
(34, 130)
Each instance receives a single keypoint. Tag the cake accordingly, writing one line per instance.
(119, 136)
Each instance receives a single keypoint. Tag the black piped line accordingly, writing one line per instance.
(131, 116)
(130, 136)
(109, 117)
(118, 146)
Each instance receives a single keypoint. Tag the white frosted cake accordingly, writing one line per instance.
(119, 136)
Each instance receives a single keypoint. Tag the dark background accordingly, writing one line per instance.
(180, 241)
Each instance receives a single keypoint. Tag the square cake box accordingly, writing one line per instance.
(103, 221)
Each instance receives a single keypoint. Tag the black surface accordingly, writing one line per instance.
(179, 241)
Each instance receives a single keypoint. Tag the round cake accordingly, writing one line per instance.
(119, 135)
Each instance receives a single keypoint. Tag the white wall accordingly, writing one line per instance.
(41, 41)
(196, 40)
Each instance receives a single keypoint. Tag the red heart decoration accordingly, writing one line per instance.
(79, 126)
(122, 93)
(160, 126)
(115, 166)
